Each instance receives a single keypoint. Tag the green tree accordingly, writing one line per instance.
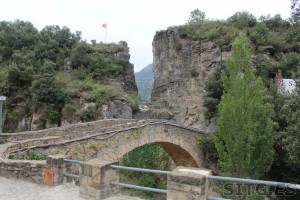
(16, 35)
(295, 11)
(291, 114)
(18, 76)
(242, 20)
(80, 55)
(55, 44)
(46, 89)
(196, 16)
(244, 141)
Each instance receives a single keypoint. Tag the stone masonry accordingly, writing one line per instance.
(95, 178)
(186, 183)
(179, 141)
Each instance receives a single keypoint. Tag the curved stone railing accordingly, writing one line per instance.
(64, 130)
(72, 134)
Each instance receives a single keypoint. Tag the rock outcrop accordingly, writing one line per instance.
(181, 67)
(129, 84)
(27, 115)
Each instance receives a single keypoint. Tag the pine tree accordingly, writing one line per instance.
(244, 140)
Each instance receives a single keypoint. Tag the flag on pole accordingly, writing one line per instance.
(105, 26)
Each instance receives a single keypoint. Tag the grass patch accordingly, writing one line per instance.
(30, 155)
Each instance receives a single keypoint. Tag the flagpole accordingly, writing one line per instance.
(105, 26)
(105, 35)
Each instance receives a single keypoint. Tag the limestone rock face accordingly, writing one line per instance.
(117, 109)
(181, 68)
(129, 79)
(129, 84)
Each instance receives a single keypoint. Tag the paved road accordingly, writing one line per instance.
(11, 189)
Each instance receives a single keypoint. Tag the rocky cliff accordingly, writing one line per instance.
(81, 108)
(181, 66)
(54, 78)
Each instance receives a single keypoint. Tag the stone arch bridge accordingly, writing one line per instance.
(103, 142)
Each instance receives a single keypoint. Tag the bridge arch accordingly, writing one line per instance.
(115, 139)
(179, 142)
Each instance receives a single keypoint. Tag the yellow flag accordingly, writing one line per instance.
(104, 25)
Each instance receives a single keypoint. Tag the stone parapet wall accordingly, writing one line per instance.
(22, 169)
(49, 172)
(8, 148)
(65, 130)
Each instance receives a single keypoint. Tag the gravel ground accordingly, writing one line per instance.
(11, 189)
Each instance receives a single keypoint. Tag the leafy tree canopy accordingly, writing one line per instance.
(244, 141)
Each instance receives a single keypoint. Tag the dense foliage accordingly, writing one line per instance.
(243, 141)
(149, 156)
(274, 44)
(54, 70)
(295, 11)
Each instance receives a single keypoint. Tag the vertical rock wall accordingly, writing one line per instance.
(181, 67)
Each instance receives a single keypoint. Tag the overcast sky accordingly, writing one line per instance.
(134, 21)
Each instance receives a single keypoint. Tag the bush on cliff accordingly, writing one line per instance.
(40, 65)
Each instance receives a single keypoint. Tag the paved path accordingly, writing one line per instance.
(11, 189)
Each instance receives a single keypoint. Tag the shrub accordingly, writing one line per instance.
(242, 20)
(103, 92)
(135, 102)
(276, 23)
(207, 145)
(80, 55)
(53, 115)
(89, 114)
(69, 110)
(19, 76)
(214, 92)
(193, 73)
(260, 34)
(47, 89)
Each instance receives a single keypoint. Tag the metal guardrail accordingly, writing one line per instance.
(70, 174)
(137, 186)
(140, 169)
(252, 181)
(73, 161)
(220, 178)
